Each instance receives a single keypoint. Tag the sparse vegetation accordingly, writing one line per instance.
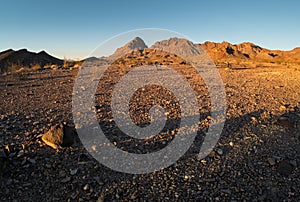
(71, 63)
(14, 68)
(36, 67)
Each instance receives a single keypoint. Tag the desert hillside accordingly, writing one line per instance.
(222, 54)
(249, 54)
(11, 60)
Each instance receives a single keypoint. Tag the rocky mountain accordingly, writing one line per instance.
(178, 46)
(136, 44)
(243, 54)
(222, 52)
(25, 58)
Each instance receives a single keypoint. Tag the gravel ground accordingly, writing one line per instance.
(256, 159)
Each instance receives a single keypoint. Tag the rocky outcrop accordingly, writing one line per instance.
(248, 52)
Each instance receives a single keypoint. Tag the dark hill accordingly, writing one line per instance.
(11, 59)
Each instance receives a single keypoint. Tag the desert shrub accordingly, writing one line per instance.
(71, 63)
(36, 67)
(14, 67)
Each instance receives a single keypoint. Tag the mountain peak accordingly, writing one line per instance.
(42, 53)
(135, 44)
(178, 46)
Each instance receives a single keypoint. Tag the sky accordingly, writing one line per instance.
(73, 29)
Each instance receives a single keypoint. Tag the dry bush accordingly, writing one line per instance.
(36, 67)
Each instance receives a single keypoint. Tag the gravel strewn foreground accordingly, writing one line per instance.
(256, 159)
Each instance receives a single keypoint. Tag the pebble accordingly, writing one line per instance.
(35, 123)
(27, 184)
(271, 161)
(293, 163)
(73, 171)
(48, 165)
(32, 161)
(20, 154)
(12, 154)
(62, 173)
(23, 162)
(74, 195)
(284, 121)
(9, 182)
(219, 151)
(65, 180)
(282, 108)
(86, 187)
(285, 168)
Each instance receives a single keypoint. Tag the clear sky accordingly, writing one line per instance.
(72, 29)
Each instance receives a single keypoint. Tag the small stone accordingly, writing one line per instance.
(285, 168)
(271, 161)
(282, 108)
(12, 154)
(27, 184)
(74, 195)
(3, 154)
(294, 163)
(35, 123)
(99, 181)
(220, 151)
(86, 187)
(231, 144)
(62, 173)
(284, 121)
(20, 154)
(9, 182)
(65, 180)
(23, 162)
(253, 119)
(73, 171)
(32, 161)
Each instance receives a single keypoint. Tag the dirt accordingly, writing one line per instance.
(256, 158)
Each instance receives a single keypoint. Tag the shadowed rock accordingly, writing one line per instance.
(59, 136)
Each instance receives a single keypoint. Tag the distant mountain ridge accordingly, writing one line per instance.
(223, 52)
(25, 58)
(248, 52)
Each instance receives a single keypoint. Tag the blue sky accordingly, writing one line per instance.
(72, 29)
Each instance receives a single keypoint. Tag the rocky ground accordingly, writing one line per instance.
(256, 158)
